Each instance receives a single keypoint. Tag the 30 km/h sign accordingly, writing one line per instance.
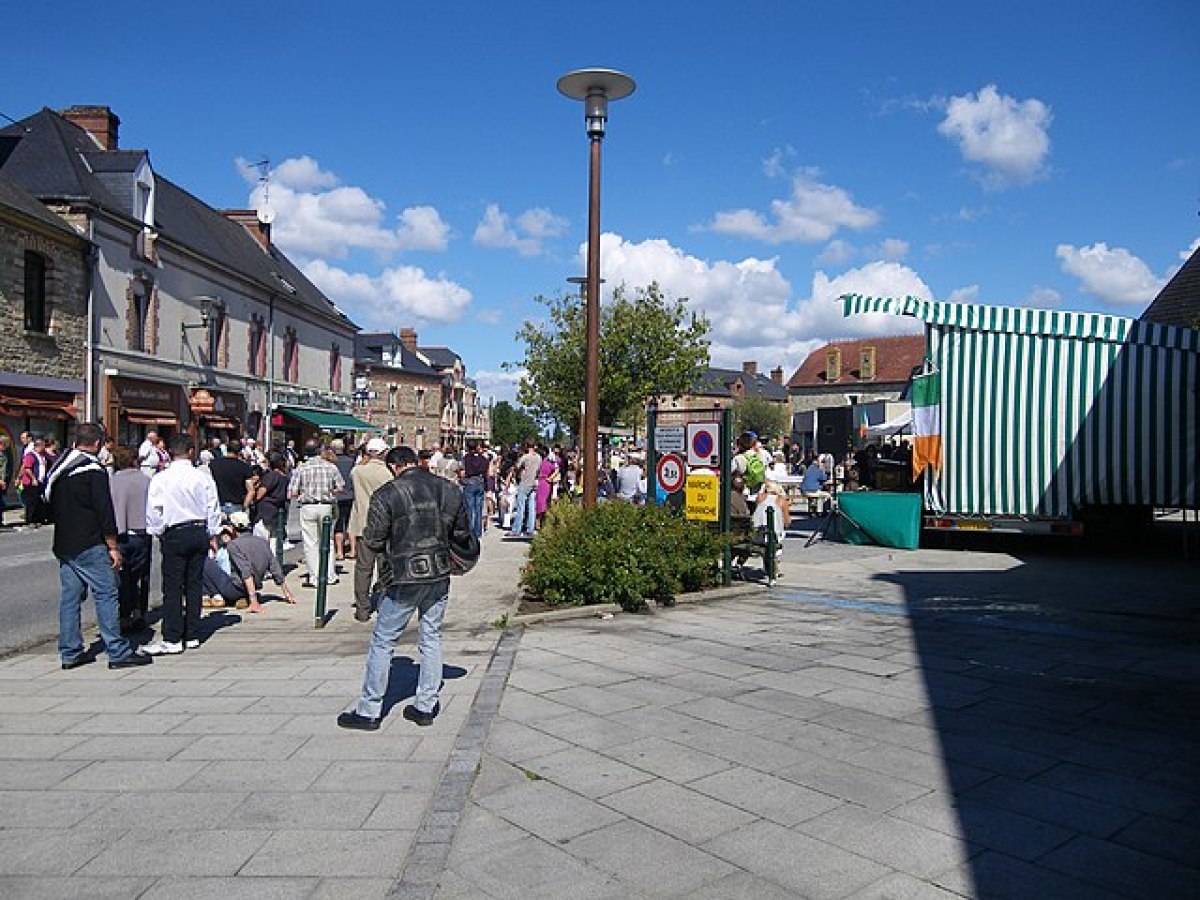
(702, 448)
(671, 473)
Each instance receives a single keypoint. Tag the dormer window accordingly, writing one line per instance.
(143, 194)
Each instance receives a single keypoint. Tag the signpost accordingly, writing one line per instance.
(703, 445)
(703, 497)
(670, 472)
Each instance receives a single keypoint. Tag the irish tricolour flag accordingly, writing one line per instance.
(927, 423)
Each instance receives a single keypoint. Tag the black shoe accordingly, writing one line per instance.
(360, 616)
(81, 660)
(422, 718)
(128, 662)
(351, 719)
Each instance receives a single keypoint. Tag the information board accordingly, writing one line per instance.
(670, 438)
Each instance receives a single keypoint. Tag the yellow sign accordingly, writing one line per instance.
(703, 494)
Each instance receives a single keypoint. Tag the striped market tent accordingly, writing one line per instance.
(1044, 412)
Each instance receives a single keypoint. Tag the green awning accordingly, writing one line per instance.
(327, 420)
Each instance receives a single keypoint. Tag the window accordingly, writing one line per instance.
(35, 292)
(421, 401)
(257, 362)
(392, 392)
(833, 364)
(139, 316)
(866, 366)
(216, 334)
(291, 355)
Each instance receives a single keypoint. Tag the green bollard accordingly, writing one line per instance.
(772, 545)
(280, 534)
(323, 571)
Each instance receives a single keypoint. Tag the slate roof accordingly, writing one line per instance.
(369, 348)
(713, 382)
(895, 359)
(15, 198)
(54, 159)
(439, 357)
(1178, 303)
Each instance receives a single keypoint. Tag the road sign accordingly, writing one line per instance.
(702, 497)
(702, 446)
(671, 472)
(670, 438)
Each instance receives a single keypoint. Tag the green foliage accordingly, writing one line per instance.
(768, 420)
(648, 345)
(512, 425)
(619, 553)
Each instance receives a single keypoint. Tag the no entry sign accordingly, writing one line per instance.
(671, 473)
(702, 447)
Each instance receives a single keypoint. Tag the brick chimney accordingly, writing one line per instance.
(777, 375)
(248, 219)
(98, 121)
(408, 337)
(749, 368)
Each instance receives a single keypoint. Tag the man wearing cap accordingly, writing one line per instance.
(316, 485)
(367, 479)
(251, 560)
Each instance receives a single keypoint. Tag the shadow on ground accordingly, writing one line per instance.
(1066, 694)
(402, 680)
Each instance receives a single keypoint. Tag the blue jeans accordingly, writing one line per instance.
(90, 569)
(525, 513)
(473, 495)
(395, 609)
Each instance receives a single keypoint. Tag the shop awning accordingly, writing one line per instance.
(151, 417)
(327, 420)
(37, 404)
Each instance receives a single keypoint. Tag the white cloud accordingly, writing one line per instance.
(1007, 137)
(836, 253)
(890, 249)
(1185, 255)
(1042, 298)
(526, 234)
(1113, 275)
(751, 305)
(397, 296)
(318, 216)
(489, 316)
(500, 385)
(967, 294)
(814, 212)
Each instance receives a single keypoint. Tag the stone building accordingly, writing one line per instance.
(43, 318)
(197, 321)
(464, 416)
(718, 388)
(396, 390)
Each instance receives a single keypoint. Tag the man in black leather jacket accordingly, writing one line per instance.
(409, 524)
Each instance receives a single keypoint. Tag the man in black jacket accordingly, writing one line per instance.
(85, 542)
(409, 523)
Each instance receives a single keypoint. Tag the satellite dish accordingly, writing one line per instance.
(266, 215)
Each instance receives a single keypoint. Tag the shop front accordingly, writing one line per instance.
(301, 424)
(217, 414)
(135, 406)
(40, 405)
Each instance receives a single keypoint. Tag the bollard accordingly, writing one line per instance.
(323, 571)
(772, 545)
(280, 534)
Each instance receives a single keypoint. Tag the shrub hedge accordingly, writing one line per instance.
(619, 553)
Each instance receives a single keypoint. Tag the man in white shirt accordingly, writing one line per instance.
(182, 509)
(148, 458)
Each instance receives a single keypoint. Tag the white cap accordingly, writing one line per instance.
(377, 446)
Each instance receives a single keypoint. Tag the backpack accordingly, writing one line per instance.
(756, 472)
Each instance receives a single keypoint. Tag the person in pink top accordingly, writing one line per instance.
(548, 476)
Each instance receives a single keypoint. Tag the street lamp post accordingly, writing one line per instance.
(595, 87)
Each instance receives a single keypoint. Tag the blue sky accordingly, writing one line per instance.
(425, 171)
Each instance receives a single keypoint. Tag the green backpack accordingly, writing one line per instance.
(756, 472)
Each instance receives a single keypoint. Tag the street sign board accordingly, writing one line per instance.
(670, 438)
(703, 448)
(671, 472)
(702, 497)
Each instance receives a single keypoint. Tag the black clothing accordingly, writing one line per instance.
(275, 498)
(184, 550)
(133, 590)
(82, 507)
(345, 465)
(230, 474)
(409, 522)
(475, 465)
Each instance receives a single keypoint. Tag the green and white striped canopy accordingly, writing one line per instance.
(1044, 412)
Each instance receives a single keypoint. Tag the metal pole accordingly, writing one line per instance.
(772, 545)
(651, 455)
(323, 571)
(726, 525)
(591, 394)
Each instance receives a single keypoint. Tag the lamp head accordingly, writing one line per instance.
(595, 87)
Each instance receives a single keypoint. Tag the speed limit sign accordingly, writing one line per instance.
(670, 472)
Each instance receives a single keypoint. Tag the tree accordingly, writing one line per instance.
(649, 345)
(512, 425)
(766, 419)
